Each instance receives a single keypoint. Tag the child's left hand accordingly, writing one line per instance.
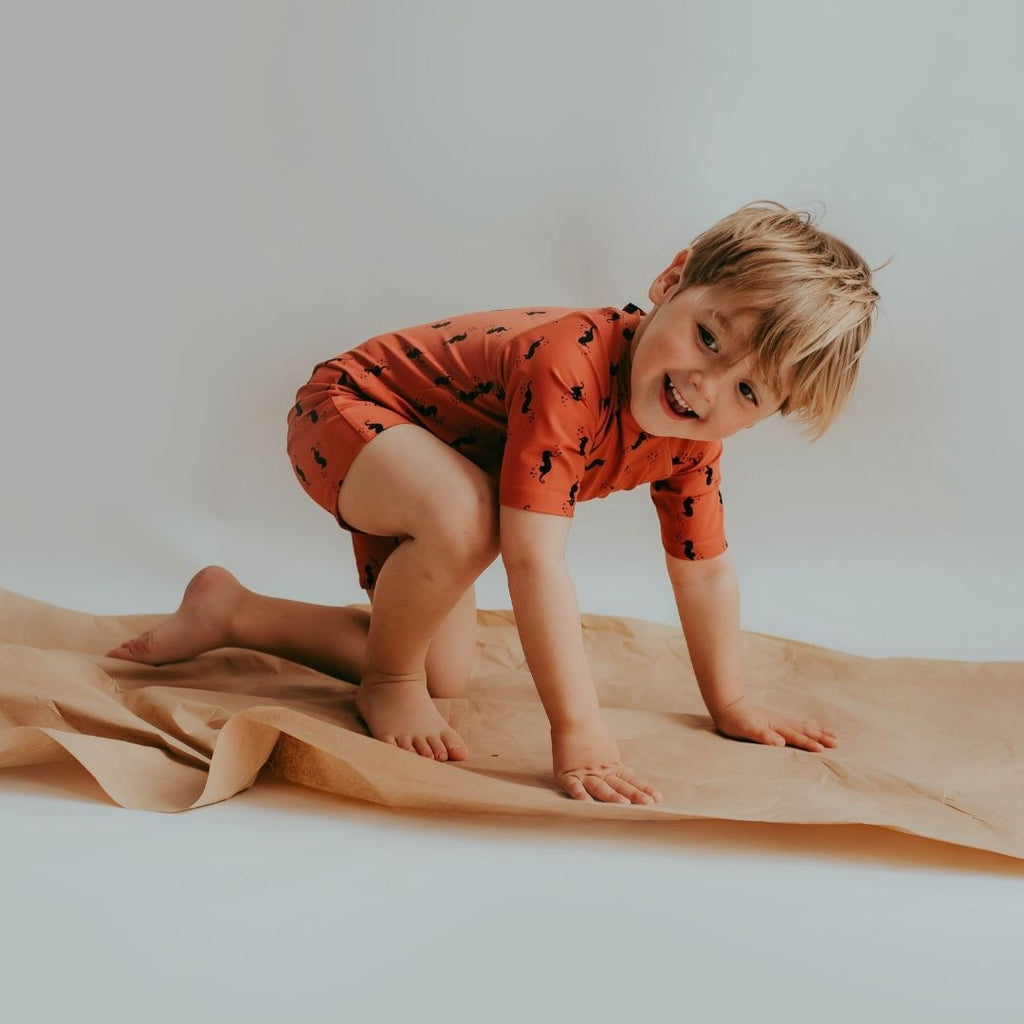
(745, 720)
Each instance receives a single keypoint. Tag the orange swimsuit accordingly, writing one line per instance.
(534, 396)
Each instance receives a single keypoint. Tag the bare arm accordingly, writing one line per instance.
(708, 600)
(547, 614)
(707, 597)
(584, 753)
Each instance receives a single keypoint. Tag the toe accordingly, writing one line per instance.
(456, 748)
(422, 747)
(140, 646)
(438, 747)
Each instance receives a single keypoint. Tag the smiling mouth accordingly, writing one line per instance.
(676, 402)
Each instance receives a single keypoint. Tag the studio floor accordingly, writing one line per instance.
(285, 902)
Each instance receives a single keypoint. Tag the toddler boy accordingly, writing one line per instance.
(443, 445)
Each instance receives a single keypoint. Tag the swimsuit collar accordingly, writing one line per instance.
(630, 322)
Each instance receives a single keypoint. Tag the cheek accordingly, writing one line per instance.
(660, 353)
(735, 417)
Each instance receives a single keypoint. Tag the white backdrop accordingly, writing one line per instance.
(201, 200)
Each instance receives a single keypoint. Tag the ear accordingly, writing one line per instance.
(667, 281)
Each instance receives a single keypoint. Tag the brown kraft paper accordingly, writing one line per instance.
(933, 748)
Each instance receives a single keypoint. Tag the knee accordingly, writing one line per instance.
(467, 523)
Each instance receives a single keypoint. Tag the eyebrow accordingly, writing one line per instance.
(724, 321)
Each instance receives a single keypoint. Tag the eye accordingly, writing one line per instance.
(705, 335)
(748, 392)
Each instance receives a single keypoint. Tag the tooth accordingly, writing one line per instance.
(678, 397)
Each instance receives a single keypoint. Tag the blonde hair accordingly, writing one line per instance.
(813, 296)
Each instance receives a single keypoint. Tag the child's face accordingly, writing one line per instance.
(683, 343)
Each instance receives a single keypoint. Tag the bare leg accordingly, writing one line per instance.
(452, 650)
(218, 611)
(406, 483)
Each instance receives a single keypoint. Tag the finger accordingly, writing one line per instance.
(634, 794)
(817, 731)
(797, 738)
(800, 731)
(625, 774)
(810, 725)
(574, 787)
(807, 743)
(600, 790)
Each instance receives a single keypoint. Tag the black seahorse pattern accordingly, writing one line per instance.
(378, 367)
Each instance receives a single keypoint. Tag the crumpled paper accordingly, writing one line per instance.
(933, 748)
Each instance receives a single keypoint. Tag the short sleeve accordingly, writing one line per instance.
(689, 505)
(553, 391)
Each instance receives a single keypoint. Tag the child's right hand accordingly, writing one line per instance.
(587, 766)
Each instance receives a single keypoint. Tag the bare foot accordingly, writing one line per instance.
(200, 624)
(399, 711)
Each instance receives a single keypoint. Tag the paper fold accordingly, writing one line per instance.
(928, 747)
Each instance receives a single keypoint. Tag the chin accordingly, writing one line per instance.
(649, 424)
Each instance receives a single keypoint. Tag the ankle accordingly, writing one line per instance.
(375, 677)
(235, 625)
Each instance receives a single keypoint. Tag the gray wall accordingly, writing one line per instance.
(202, 200)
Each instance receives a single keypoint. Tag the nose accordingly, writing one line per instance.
(706, 385)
